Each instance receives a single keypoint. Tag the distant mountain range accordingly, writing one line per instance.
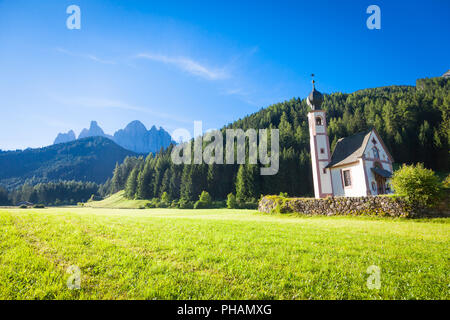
(87, 159)
(134, 137)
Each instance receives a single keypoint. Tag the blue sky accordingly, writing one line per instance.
(168, 63)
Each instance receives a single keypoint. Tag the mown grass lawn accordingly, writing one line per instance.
(218, 254)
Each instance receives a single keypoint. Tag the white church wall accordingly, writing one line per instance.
(370, 177)
(322, 147)
(369, 152)
(316, 128)
(370, 159)
(358, 180)
(372, 184)
(320, 153)
(338, 188)
(314, 162)
(320, 175)
(325, 178)
(320, 129)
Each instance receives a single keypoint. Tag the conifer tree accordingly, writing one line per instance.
(186, 184)
(145, 185)
(240, 184)
(231, 201)
(116, 179)
(131, 186)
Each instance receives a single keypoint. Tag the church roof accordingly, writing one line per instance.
(315, 99)
(382, 172)
(349, 149)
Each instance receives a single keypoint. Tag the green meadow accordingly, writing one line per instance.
(218, 254)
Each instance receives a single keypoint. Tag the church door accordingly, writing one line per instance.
(381, 182)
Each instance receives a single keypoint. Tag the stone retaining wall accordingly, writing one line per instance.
(371, 206)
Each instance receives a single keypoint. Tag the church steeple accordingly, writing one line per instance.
(315, 98)
(319, 144)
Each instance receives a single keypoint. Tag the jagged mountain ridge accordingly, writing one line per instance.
(134, 137)
(65, 137)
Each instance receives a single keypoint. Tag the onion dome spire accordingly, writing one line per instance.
(315, 98)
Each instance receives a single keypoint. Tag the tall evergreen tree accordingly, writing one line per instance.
(187, 192)
(131, 186)
(145, 177)
(241, 194)
(116, 179)
(4, 197)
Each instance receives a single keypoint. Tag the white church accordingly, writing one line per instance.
(360, 165)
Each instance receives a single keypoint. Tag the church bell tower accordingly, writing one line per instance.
(319, 145)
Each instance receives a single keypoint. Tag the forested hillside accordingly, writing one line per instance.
(413, 121)
(91, 159)
(53, 193)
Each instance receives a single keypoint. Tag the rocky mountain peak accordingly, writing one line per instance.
(65, 137)
(135, 126)
(94, 131)
(134, 137)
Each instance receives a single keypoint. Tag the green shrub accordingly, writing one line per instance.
(156, 203)
(281, 204)
(205, 197)
(150, 205)
(231, 201)
(38, 206)
(446, 182)
(23, 206)
(165, 200)
(163, 205)
(185, 204)
(417, 185)
(201, 205)
(204, 202)
(174, 204)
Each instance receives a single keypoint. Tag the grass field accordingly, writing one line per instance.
(218, 254)
(118, 201)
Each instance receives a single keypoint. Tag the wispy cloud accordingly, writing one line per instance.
(85, 56)
(235, 91)
(188, 65)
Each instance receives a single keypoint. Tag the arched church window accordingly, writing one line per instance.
(318, 121)
(374, 186)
